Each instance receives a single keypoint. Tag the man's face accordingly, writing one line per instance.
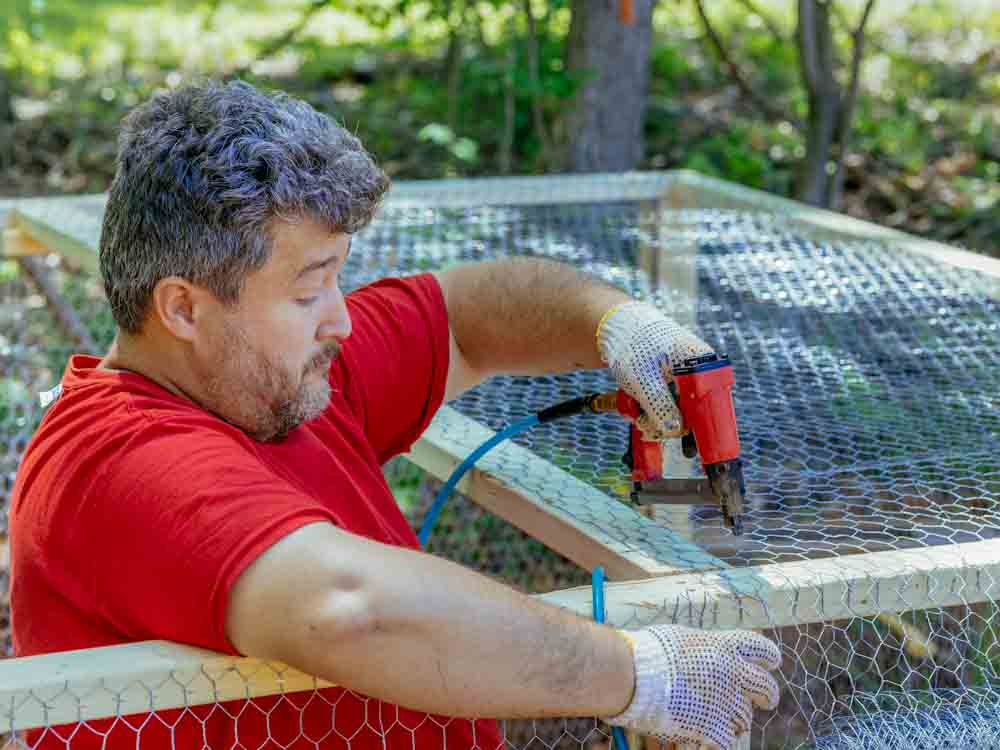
(266, 368)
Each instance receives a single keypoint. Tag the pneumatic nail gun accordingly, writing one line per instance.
(702, 389)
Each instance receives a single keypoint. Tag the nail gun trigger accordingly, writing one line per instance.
(627, 458)
(688, 446)
(672, 387)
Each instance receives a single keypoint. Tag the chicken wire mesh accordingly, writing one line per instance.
(866, 379)
(866, 391)
(922, 720)
(177, 710)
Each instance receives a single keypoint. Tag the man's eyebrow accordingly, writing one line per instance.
(317, 265)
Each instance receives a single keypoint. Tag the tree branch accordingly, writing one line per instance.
(537, 115)
(506, 156)
(769, 22)
(844, 25)
(850, 98)
(858, 52)
(808, 55)
(760, 103)
(453, 64)
(64, 312)
(280, 42)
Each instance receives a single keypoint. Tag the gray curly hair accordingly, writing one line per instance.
(204, 170)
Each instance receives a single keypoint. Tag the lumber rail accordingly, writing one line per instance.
(157, 675)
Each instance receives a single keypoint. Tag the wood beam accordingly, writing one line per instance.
(568, 515)
(803, 592)
(74, 686)
(19, 244)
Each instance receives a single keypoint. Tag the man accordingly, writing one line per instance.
(215, 478)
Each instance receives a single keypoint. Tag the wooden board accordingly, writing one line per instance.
(802, 592)
(118, 680)
(17, 243)
(75, 686)
(69, 226)
(551, 505)
(568, 515)
(513, 483)
(694, 190)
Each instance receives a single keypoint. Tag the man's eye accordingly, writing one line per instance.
(307, 301)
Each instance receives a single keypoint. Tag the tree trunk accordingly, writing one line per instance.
(816, 59)
(6, 99)
(603, 127)
(6, 120)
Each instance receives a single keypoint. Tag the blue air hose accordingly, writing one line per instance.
(446, 489)
(564, 409)
(597, 598)
(549, 414)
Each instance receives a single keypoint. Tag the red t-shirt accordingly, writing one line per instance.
(135, 511)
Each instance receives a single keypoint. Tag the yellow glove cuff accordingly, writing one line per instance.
(604, 319)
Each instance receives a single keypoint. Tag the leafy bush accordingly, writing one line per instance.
(924, 153)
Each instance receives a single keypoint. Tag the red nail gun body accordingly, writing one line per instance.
(702, 388)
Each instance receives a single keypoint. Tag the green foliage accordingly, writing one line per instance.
(677, 66)
(730, 155)
(775, 59)
(463, 149)
(923, 154)
(8, 270)
(926, 129)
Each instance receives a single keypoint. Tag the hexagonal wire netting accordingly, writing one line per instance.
(866, 378)
(867, 382)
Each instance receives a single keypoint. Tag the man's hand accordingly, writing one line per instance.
(642, 347)
(699, 686)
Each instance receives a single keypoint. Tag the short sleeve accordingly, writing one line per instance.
(160, 558)
(394, 366)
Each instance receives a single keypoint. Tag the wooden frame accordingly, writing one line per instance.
(137, 677)
(666, 577)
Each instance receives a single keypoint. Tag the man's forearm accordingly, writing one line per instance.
(526, 316)
(430, 635)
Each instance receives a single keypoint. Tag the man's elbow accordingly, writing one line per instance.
(300, 600)
(341, 622)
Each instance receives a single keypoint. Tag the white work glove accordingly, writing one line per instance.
(699, 686)
(642, 346)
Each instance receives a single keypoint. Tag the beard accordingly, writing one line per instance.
(263, 397)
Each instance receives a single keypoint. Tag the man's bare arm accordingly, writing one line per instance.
(422, 632)
(521, 316)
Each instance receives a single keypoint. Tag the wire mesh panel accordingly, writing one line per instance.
(867, 383)
(161, 695)
(34, 349)
(867, 397)
(867, 394)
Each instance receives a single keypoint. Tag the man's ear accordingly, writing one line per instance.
(178, 304)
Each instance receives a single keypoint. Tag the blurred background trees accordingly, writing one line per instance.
(886, 109)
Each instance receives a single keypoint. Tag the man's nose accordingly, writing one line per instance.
(337, 321)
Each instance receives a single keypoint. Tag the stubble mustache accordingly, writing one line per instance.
(324, 359)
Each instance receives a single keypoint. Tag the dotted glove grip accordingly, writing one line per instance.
(698, 686)
(642, 347)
